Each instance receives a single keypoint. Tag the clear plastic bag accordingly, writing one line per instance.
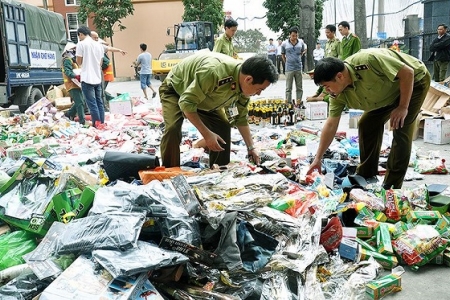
(145, 257)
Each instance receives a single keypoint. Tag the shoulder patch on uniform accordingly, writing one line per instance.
(225, 80)
(361, 67)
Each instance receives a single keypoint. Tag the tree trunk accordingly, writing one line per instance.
(307, 25)
(360, 22)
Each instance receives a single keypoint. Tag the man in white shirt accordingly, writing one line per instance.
(318, 53)
(280, 61)
(90, 56)
(272, 52)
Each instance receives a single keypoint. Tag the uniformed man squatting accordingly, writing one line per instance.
(387, 85)
(212, 91)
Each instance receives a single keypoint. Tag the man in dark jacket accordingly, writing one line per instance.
(440, 53)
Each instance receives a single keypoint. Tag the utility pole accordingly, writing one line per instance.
(360, 22)
(307, 29)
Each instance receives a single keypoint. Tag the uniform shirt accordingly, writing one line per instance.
(145, 60)
(375, 83)
(92, 53)
(271, 49)
(293, 55)
(68, 66)
(349, 45)
(224, 45)
(332, 48)
(209, 82)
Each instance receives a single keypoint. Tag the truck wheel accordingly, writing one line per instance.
(35, 96)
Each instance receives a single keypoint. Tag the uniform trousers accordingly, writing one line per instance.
(216, 121)
(371, 130)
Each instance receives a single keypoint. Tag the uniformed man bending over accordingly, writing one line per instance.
(212, 91)
(387, 85)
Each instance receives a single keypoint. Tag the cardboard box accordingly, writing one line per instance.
(436, 131)
(63, 103)
(121, 107)
(53, 93)
(379, 288)
(316, 110)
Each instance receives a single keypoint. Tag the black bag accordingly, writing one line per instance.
(123, 165)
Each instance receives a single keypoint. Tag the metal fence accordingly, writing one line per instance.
(417, 45)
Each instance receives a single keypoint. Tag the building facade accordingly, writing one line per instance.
(148, 25)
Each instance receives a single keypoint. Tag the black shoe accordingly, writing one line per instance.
(154, 95)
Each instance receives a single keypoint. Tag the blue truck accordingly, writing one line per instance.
(32, 41)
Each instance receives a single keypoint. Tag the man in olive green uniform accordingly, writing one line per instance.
(212, 91)
(387, 85)
(224, 44)
(332, 46)
(350, 43)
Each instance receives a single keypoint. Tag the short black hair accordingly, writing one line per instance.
(344, 24)
(443, 25)
(84, 30)
(261, 68)
(143, 46)
(327, 68)
(271, 39)
(331, 27)
(293, 29)
(230, 23)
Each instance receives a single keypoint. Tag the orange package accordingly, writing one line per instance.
(161, 173)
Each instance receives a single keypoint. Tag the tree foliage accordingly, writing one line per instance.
(282, 15)
(204, 10)
(251, 40)
(105, 14)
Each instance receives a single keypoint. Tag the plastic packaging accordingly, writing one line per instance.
(13, 245)
(145, 257)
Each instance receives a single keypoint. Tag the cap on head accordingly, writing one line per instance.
(69, 46)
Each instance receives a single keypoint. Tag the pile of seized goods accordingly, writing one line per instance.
(91, 214)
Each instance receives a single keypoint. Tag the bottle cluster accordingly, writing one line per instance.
(275, 112)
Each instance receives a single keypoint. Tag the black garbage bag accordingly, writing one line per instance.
(24, 287)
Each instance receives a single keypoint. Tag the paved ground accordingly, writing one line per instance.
(429, 282)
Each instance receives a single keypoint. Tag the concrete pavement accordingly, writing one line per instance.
(430, 281)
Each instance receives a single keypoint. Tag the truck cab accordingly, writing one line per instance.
(189, 38)
(32, 40)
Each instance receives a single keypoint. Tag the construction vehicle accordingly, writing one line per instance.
(189, 38)
(32, 42)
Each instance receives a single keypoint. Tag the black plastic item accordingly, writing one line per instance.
(123, 165)
(436, 188)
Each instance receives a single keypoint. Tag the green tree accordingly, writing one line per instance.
(204, 10)
(251, 40)
(282, 15)
(105, 14)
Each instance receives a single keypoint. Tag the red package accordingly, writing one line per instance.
(331, 235)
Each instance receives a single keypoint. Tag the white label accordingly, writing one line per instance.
(42, 58)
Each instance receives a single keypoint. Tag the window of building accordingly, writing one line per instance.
(72, 25)
(73, 2)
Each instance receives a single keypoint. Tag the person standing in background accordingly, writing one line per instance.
(350, 43)
(272, 52)
(224, 44)
(280, 61)
(291, 51)
(72, 85)
(332, 46)
(304, 55)
(90, 57)
(145, 61)
(440, 53)
(318, 53)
